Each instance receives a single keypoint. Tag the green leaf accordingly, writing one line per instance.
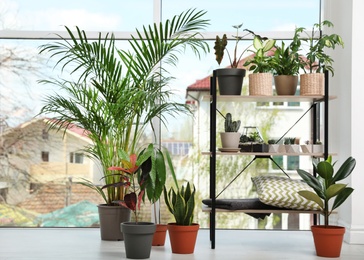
(309, 195)
(334, 189)
(341, 197)
(345, 169)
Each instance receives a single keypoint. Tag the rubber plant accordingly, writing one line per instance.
(326, 186)
(114, 94)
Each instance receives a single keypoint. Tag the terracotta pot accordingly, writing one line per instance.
(183, 238)
(159, 237)
(110, 219)
(328, 240)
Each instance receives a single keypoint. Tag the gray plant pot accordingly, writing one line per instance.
(110, 219)
(230, 80)
(138, 239)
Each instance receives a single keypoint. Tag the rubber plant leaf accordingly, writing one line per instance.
(309, 195)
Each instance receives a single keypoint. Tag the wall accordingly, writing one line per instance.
(346, 111)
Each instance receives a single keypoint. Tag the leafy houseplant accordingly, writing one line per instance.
(181, 204)
(286, 64)
(260, 81)
(317, 60)
(326, 187)
(230, 138)
(117, 93)
(230, 79)
(134, 173)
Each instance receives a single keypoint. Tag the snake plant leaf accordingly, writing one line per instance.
(309, 195)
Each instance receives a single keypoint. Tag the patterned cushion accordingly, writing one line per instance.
(283, 192)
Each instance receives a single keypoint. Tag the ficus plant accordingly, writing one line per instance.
(326, 186)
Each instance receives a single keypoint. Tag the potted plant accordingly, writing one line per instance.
(286, 64)
(112, 105)
(252, 143)
(260, 81)
(328, 239)
(230, 138)
(317, 60)
(134, 174)
(181, 204)
(230, 79)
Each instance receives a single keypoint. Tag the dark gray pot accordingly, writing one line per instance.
(138, 239)
(230, 80)
(110, 219)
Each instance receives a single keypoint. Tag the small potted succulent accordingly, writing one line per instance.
(328, 238)
(317, 60)
(230, 138)
(260, 81)
(253, 143)
(230, 79)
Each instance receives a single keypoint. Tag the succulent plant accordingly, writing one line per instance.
(230, 125)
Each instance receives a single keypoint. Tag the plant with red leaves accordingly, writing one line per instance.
(133, 174)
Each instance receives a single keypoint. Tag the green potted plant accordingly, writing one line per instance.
(326, 187)
(117, 93)
(230, 79)
(260, 80)
(317, 60)
(253, 143)
(181, 204)
(230, 138)
(286, 65)
(134, 174)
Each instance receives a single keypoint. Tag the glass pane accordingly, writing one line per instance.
(262, 15)
(93, 15)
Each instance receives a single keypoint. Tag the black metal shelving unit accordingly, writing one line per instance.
(316, 118)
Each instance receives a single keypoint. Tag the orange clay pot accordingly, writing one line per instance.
(183, 238)
(328, 240)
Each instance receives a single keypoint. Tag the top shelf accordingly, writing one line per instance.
(241, 98)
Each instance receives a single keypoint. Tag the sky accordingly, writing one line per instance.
(121, 15)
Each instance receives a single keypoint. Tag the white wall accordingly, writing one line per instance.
(346, 113)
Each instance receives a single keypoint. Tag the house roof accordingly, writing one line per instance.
(72, 128)
(52, 196)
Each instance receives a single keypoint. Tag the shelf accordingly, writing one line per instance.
(265, 154)
(224, 98)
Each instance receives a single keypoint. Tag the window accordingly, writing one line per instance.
(45, 156)
(98, 16)
(76, 158)
(45, 134)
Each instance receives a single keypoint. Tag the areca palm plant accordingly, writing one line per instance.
(118, 92)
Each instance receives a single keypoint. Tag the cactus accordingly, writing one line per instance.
(230, 125)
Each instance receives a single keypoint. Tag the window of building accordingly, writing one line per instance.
(45, 156)
(76, 158)
(45, 134)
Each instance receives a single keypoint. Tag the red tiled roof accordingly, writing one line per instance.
(51, 197)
